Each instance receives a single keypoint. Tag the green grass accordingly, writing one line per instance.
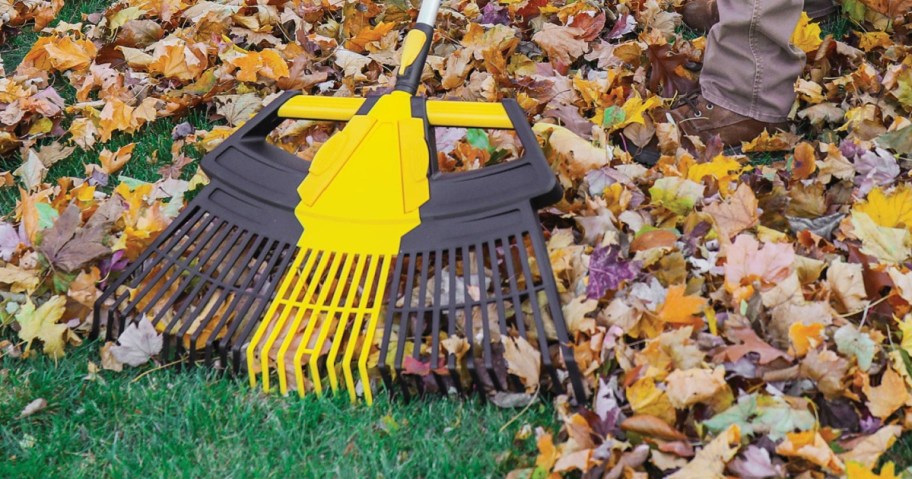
(20, 42)
(836, 24)
(152, 152)
(195, 424)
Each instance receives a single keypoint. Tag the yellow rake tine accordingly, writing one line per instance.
(315, 309)
(356, 329)
(348, 311)
(270, 313)
(371, 327)
(318, 307)
(303, 308)
(326, 326)
(286, 311)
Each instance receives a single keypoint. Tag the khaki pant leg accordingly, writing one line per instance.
(750, 66)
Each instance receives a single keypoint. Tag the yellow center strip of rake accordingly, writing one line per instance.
(360, 197)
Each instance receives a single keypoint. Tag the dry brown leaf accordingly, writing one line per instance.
(691, 386)
(112, 162)
(890, 395)
(709, 462)
(523, 360)
(562, 44)
(737, 214)
(652, 426)
(845, 279)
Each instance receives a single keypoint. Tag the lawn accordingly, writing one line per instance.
(170, 423)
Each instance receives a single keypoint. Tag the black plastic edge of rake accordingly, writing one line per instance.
(253, 185)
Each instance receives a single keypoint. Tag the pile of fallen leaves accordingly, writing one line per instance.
(731, 318)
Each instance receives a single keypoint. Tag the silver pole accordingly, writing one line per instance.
(428, 13)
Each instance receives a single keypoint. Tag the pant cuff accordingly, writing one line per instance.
(719, 99)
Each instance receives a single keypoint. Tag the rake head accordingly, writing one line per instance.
(428, 300)
(373, 287)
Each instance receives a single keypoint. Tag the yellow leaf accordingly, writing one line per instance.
(19, 280)
(547, 453)
(42, 324)
(634, 108)
(893, 210)
(267, 64)
(807, 34)
(83, 133)
(66, 53)
(124, 16)
(811, 446)
(680, 309)
(178, 61)
(116, 115)
(41, 126)
(780, 141)
(112, 162)
(367, 35)
(719, 168)
(577, 155)
(855, 470)
(889, 245)
(38, 57)
(804, 337)
(905, 327)
(645, 398)
(868, 41)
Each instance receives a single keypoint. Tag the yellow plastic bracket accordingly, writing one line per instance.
(321, 108)
(468, 113)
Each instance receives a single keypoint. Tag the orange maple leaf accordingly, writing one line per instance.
(680, 309)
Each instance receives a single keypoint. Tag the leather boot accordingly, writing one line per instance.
(700, 14)
(696, 116)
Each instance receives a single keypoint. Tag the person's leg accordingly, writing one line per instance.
(750, 66)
